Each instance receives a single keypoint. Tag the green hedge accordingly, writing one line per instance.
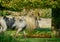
(20, 4)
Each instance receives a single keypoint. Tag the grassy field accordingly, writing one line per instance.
(9, 37)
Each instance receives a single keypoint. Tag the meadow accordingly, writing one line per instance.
(9, 37)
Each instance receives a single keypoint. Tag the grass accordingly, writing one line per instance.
(7, 37)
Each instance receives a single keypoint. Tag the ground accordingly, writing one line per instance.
(9, 37)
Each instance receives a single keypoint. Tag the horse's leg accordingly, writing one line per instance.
(18, 31)
(3, 26)
(24, 33)
(0, 28)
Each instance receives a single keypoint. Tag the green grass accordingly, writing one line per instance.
(7, 37)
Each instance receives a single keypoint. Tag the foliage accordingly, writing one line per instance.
(3, 13)
(20, 4)
(29, 4)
